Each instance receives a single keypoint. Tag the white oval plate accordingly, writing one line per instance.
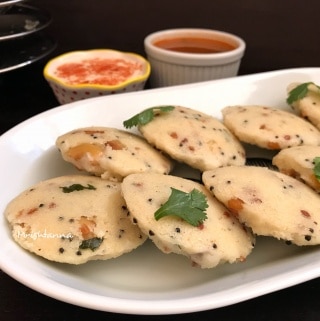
(146, 281)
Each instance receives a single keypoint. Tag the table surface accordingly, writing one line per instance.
(24, 93)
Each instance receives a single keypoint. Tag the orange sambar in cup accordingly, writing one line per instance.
(194, 45)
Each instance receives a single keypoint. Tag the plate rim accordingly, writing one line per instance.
(8, 3)
(33, 11)
(42, 39)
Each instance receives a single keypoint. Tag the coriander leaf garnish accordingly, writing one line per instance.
(316, 168)
(76, 187)
(91, 244)
(191, 207)
(299, 92)
(146, 116)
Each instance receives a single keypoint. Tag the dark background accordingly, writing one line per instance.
(279, 35)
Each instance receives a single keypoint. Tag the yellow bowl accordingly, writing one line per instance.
(85, 74)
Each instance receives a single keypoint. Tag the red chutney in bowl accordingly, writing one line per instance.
(99, 71)
(85, 74)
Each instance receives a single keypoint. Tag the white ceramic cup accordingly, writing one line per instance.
(170, 67)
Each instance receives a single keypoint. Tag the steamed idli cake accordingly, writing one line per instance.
(298, 162)
(268, 127)
(219, 238)
(307, 106)
(111, 153)
(269, 202)
(73, 219)
(194, 138)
